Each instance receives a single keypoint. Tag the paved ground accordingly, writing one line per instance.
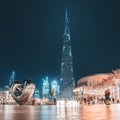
(82, 112)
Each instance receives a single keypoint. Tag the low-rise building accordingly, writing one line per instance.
(96, 85)
(6, 98)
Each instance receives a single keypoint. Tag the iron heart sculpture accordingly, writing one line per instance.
(22, 92)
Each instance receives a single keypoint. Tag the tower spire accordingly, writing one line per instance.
(66, 16)
(67, 79)
(66, 29)
(12, 77)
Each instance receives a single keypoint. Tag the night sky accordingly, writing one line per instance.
(31, 36)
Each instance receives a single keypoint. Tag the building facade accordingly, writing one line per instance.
(67, 82)
(6, 97)
(12, 77)
(96, 85)
(50, 88)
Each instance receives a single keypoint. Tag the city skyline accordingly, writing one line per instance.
(31, 38)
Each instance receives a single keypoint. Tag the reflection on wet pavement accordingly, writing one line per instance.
(81, 112)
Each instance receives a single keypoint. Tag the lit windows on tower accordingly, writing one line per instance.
(67, 79)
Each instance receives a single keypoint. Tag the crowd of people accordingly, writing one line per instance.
(96, 100)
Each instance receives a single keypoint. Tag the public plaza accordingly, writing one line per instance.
(54, 112)
(95, 97)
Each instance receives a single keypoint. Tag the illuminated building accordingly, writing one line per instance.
(45, 88)
(50, 88)
(67, 80)
(36, 93)
(6, 96)
(12, 77)
(55, 89)
(96, 85)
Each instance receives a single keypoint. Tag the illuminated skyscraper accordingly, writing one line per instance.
(55, 89)
(67, 79)
(45, 88)
(12, 77)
